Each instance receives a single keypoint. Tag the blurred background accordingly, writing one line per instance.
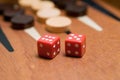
(114, 3)
(8, 1)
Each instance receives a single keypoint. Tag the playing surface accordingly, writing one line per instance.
(100, 62)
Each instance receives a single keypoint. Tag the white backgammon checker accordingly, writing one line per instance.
(44, 14)
(58, 24)
(39, 5)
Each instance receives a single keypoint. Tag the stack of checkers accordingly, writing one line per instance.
(16, 15)
(10, 13)
(4, 7)
(10, 10)
(48, 12)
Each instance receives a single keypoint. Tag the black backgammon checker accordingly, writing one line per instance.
(9, 13)
(62, 3)
(76, 10)
(22, 21)
(4, 6)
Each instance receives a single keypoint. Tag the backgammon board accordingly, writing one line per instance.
(100, 62)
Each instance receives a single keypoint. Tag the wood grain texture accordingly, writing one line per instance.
(114, 3)
(100, 62)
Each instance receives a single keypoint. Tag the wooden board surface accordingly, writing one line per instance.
(114, 3)
(100, 62)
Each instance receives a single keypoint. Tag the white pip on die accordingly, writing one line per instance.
(75, 45)
(48, 46)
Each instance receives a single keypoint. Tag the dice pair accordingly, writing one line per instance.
(49, 45)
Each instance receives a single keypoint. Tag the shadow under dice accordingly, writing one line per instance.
(75, 45)
(48, 46)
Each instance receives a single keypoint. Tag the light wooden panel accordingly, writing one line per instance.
(100, 62)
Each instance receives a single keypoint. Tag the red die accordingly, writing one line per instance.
(48, 46)
(75, 45)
